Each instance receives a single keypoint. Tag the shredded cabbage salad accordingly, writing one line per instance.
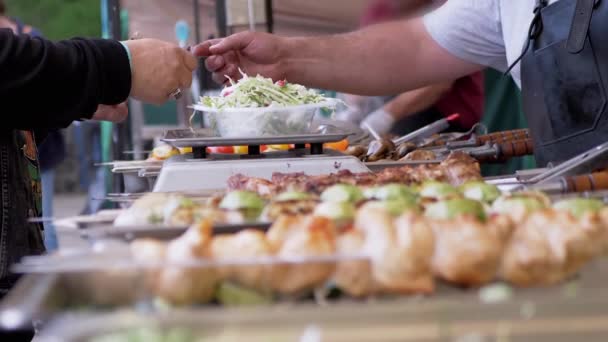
(259, 91)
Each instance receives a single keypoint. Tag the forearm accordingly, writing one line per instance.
(416, 101)
(48, 85)
(390, 58)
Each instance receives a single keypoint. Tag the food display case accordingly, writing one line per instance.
(574, 310)
(329, 235)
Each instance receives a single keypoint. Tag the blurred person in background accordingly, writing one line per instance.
(77, 79)
(51, 151)
(411, 110)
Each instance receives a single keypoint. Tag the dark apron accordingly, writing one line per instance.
(564, 75)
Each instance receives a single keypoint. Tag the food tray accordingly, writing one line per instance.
(381, 165)
(85, 279)
(162, 232)
(180, 138)
(576, 307)
(542, 319)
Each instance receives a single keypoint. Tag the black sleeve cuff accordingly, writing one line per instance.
(117, 72)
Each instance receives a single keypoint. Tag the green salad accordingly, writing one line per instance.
(256, 92)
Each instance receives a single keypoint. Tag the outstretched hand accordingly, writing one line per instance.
(253, 53)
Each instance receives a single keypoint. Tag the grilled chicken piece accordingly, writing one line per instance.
(302, 237)
(149, 251)
(380, 149)
(550, 246)
(353, 276)
(420, 155)
(356, 151)
(262, 186)
(403, 149)
(183, 284)
(460, 168)
(603, 214)
(244, 246)
(400, 250)
(468, 251)
(288, 208)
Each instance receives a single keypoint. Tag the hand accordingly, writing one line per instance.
(158, 69)
(380, 121)
(117, 113)
(254, 53)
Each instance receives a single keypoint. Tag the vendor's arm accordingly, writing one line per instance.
(48, 85)
(380, 60)
(415, 101)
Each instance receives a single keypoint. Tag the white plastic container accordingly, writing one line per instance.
(264, 121)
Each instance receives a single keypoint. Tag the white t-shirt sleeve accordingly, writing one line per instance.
(470, 30)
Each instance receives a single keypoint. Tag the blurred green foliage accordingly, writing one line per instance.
(59, 19)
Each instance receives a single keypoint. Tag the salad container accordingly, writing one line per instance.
(264, 121)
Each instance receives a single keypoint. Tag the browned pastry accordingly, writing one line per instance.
(244, 246)
(187, 284)
(307, 236)
(420, 155)
(467, 251)
(550, 246)
(400, 250)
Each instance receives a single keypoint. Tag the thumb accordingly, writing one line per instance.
(238, 41)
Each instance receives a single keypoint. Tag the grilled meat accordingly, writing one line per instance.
(353, 276)
(550, 246)
(420, 155)
(457, 168)
(401, 251)
(468, 251)
(244, 245)
(302, 237)
(288, 208)
(182, 284)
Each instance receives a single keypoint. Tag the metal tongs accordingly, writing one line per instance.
(564, 175)
(379, 144)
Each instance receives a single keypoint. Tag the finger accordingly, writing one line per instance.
(202, 49)
(214, 63)
(237, 41)
(230, 70)
(190, 61)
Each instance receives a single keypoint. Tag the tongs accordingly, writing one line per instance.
(592, 160)
(380, 144)
(428, 130)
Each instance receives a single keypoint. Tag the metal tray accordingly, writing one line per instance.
(162, 232)
(381, 165)
(205, 137)
(41, 296)
(540, 320)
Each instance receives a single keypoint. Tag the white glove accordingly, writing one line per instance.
(380, 121)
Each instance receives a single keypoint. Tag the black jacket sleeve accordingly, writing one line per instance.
(49, 85)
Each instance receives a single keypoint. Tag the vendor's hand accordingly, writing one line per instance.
(117, 113)
(380, 121)
(254, 53)
(158, 69)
